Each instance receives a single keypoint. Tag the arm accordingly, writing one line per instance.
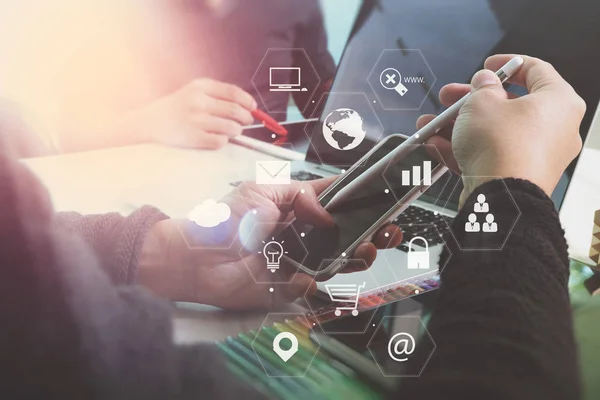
(502, 322)
(116, 240)
(72, 333)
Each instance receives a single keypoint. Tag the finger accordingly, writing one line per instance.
(224, 109)
(217, 125)
(226, 91)
(453, 92)
(307, 208)
(486, 80)
(288, 194)
(319, 185)
(424, 120)
(363, 257)
(441, 149)
(388, 237)
(206, 140)
(445, 132)
(300, 286)
(535, 74)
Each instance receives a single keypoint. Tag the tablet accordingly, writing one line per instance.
(293, 146)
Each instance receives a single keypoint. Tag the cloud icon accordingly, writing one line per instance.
(209, 213)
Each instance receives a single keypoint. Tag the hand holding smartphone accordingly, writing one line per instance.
(325, 251)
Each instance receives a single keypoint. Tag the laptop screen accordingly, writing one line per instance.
(423, 45)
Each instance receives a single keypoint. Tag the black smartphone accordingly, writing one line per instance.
(324, 252)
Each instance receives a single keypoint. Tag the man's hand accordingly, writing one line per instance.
(203, 114)
(170, 268)
(533, 137)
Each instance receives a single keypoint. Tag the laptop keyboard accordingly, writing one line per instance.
(305, 176)
(415, 221)
(412, 220)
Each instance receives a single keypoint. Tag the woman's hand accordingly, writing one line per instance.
(533, 137)
(170, 268)
(203, 114)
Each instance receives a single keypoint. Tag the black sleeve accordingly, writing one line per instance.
(311, 36)
(117, 240)
(502, 322)
(68, 332)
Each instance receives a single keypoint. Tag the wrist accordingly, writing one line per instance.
(154, 269)
(135, 124)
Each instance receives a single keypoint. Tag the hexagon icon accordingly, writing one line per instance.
(213, 224)
(283, 72)
(349, 129)
(263, 251)
(479, 229)
(401, 79)
(269, 172)
(350, 300)
(422, 245)
(417, 168)
(394, 343)
(281, 341)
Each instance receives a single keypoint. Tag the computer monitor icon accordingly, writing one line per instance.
(285, 79)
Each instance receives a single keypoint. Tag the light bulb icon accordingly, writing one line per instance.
(273, 251)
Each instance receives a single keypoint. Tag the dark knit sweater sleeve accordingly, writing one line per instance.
(117, 240)
(502, 322)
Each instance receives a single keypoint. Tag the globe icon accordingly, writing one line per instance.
(343, 129)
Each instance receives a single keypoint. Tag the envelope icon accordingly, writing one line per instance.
(273, 172)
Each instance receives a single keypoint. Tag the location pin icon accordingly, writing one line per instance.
(285, 355)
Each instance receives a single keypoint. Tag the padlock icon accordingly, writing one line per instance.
(418, 259)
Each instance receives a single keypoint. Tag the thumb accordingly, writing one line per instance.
(487, 80)
(307, 208)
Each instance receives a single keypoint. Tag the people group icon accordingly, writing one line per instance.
(481, 207)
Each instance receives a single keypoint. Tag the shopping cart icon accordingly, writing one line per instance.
(345, 293)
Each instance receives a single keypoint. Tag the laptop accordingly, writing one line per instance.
(454, 40)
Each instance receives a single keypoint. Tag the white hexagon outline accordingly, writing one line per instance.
(425, 331)
(424, 97)
(314, 115)
(373, 311)
(312, 94)
(439, 269)
(243, 256)
(239, 196)
(509, 231)
(443, 162)
(241, 181)
(314, 340)
(251, 196)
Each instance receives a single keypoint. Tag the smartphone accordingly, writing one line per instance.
(321, 252)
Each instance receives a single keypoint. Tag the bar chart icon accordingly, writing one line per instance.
(416, 175)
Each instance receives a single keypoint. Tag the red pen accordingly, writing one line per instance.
(269, 122)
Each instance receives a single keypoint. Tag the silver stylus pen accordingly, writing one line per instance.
(420, 137)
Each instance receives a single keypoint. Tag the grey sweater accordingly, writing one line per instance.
(72, 325)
